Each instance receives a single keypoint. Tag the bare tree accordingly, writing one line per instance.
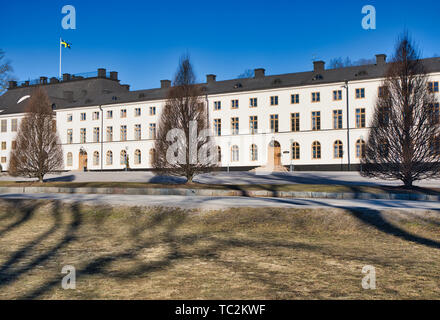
(37, 149)
(403, 142)
(183, 145)
(248, 73)
(5, 72)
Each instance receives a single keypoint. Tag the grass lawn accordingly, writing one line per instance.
(160, 253)
(240, 187)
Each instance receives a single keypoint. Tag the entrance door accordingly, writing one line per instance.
(274, 154)
(82, 163)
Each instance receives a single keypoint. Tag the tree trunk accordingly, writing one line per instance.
(40, 179)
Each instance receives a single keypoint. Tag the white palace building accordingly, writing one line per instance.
(316, 120)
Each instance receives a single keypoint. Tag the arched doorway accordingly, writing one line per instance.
(82, 162)
(274, 154)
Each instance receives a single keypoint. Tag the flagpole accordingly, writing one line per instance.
(60, 58)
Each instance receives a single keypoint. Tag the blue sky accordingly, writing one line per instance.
(143, 40)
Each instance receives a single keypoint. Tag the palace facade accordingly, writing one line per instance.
(316, 120)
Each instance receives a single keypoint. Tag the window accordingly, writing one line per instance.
(137, 157)
(294, 122)
(109, 114)
(360, 148)
(316, 96)
(316, 120)
(295, 151)
(137, 132)
(83, 116)
(13, 145)
(96, 134)
(433, 86)
(152, 111)
(4, 125)
(217, 105)
(234, 126)
(274, 100)
(316, 150)
(435, 113)
(337, 95)
(254, 152)
(234, 104)
(234, 154)
(360, 118)
(69, 158)
(137, 112)
(109, 134)
(123, 158)
(218, 127)
(338, 150)
(14, 125)
(360, 93)
(152, 131)
(337, 119)
(124, 133)
(95, 115)
(69, 117)
(273, 123)
(384, 115)
(69, 136)
(3, 160)
(294, 98)
(381, 91)
(109, 158)
(3, 145)
(124, 113)
(253, 124)
(83, 135)
(253, 102)
(96, 158)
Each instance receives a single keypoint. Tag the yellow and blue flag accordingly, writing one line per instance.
(65, 44)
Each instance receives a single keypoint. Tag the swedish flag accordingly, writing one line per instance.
(65, 44)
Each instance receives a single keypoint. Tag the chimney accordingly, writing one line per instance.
(43, 80)
(126, 86)
(53, 80)
(165, 83)
(114, 75)
(318, 66)
(101, 73)
(210, 78)
(66, 76)
(259, 73)
(381, 59)
(68, 95)
(12, 84)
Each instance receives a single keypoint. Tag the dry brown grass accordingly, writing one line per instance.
(160, 253)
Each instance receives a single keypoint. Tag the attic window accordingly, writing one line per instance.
(204, 89)
(276, 81)
(54, 106)
(318, 77)
(114, 98)
(361, 73)
(141, 95)
(237, 85)
(88, 100)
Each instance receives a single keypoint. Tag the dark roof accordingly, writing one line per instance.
(92, 92)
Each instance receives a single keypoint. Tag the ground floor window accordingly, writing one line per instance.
(234, 154)
(316, 150)
(109, 159)
(295, 151)
(69, 158)
(137, 157)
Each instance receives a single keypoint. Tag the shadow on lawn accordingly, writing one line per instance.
(158, 230)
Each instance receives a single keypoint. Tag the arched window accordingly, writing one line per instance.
(109, 159)
(254, 152)
(316, 150)
(295, 151)
(234, 154)
(360, 148)
(152, 156)
(137, 157)
(338, 150)
(96, 158)
(219, 154)
(69, 159)
(123, 157)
